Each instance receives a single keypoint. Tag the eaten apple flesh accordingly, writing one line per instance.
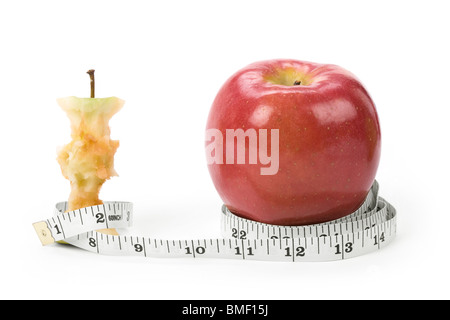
(329, 142)
(88, 160)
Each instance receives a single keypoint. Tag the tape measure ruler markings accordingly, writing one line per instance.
(370, 228)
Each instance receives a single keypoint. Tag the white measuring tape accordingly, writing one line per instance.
(368, 229)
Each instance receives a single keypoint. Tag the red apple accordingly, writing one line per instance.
(309, 147)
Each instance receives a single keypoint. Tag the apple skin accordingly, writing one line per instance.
(329, 142)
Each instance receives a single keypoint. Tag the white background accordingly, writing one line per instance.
(167, 60)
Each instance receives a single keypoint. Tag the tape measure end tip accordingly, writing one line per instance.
(43, 233)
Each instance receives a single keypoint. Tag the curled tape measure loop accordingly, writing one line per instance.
(368, 229)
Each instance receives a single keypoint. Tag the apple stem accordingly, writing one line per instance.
(297, 82)
(91, 75)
